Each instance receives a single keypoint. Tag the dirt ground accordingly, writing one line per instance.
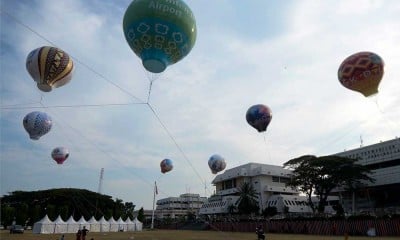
(178, 235)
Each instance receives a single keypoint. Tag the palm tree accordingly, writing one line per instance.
(248, 202)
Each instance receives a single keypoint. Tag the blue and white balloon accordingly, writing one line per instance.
(216, 163)
(166, 165)
(37, 124)
(259, 116)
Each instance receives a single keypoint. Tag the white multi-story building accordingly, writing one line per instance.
(267, 180)
(383, 159)
(181, 206)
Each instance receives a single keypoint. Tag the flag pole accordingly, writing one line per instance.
(154, 199)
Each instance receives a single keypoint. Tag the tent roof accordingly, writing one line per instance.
(45, 219)
(112, 220)
(81, 220)
(92, 220)
(71, 220)
(102, 220)
(59, 220)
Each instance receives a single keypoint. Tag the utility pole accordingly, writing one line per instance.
(100, 181)
(361, 141)
(99, 189)
(205, 188)
(154, 199)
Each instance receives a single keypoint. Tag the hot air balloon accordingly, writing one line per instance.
(37, 124)
(159, 32)
(166, 165)
(259, 116)
(362, 72)
(216, 163)
(60, 154)
(50, 67)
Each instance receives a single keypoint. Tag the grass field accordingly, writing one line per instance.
(178, 235)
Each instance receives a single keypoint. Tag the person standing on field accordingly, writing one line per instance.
(84, 232)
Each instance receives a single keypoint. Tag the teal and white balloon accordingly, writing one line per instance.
(159, 32)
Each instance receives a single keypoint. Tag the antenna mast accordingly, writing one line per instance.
(361, 141)
(100, 180)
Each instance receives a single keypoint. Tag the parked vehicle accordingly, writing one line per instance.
(17, 229)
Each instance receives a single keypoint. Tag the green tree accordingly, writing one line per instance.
(129, 207)
(270, 211)
(190, 216)
(248, 203)
(304, 176)
(35, 205)
(118, 208)
(232, 209)
(7, 214)
(320, 175)
(140, 215)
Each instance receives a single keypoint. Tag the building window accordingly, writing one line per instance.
(275, 179)
(284, 180)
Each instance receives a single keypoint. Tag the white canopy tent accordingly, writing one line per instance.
(122, 225)
(113, 224)
(60, 226)
(94, 225)
(45, 225)
(104, 225)
(130, 225)
(72, 225)
(82, 223)
(138, 225)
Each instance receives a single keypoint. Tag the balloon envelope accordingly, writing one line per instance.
(259, 116)
(216, 163)
(362, 72)
(37, 124)
(50, 67)
(60, 154)
(159, 32)
(166, 165)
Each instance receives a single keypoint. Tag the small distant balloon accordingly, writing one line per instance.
(60, 154)
(166, 165)
(362, 72)
(37, 124)
(159, 32)
(259, 116)
(50, 67)
(216, 163)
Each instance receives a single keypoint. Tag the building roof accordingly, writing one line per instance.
(251, 170)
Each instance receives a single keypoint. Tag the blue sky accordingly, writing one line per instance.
(284, 54)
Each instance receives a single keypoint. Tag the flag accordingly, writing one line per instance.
(156, 187)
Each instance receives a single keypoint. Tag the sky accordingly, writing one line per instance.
(284, 54)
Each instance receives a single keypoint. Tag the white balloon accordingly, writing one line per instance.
(37, 124)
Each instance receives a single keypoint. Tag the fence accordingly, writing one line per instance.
(383, 227)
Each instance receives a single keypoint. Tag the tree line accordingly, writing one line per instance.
(28, 207)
